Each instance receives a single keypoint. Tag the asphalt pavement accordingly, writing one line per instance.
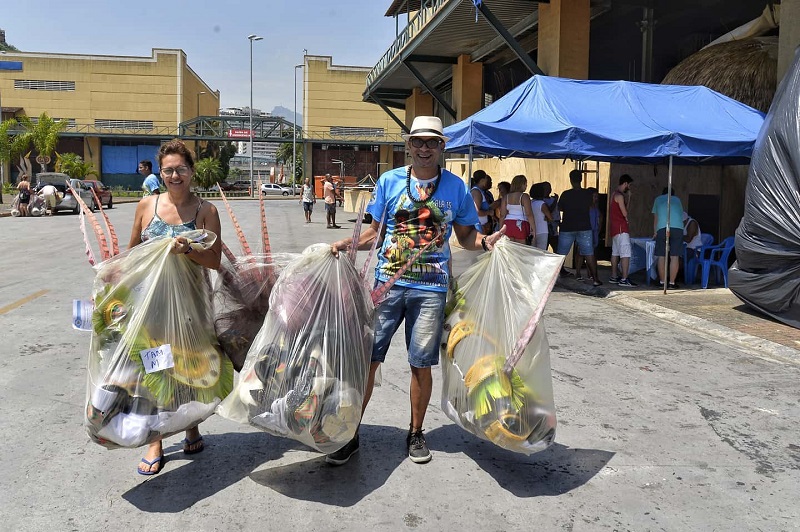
(665, 422)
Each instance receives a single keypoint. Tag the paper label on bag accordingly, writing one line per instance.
(82, 314)
(157, 358)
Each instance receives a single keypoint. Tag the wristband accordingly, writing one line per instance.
(483, 244)
(188, 250)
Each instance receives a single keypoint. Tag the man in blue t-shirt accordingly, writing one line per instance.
(421, 205)
(151, 183)
(660, 223)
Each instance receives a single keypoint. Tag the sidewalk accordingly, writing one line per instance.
(715, 311)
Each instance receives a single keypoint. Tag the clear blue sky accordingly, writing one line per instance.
(213, 35)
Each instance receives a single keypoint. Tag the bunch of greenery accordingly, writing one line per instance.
(74, 166)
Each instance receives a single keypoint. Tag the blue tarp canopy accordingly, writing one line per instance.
(617, 121)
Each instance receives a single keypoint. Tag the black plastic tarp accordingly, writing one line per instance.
(766, 274)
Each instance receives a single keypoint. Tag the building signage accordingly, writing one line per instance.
(239, 133)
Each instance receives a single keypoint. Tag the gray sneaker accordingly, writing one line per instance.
(417, 448)
(341, 456)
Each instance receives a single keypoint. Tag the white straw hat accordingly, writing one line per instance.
(426, 126)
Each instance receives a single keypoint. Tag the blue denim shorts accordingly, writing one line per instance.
(582, 238)
(423, 312)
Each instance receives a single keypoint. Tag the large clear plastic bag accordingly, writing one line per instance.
(155, 367)
(15, 206)
(495, 357)
(305, 375)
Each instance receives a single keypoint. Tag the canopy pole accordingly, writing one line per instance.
(469, 168)
(666, 252)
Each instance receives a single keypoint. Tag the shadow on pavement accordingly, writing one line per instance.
(382, 449)
(554, 471)
(226, 460)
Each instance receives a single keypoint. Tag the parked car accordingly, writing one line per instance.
(274, 189)
(240, 185)
(103, 192)
(224, 185)
(66, 201)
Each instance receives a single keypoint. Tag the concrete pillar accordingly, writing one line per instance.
(418, 104)
(91, 152)
(564, 38)
(467, 87)
(789, 35)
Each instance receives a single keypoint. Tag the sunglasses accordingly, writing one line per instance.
(431, 144)
(183, 171)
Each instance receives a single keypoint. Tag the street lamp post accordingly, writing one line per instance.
(252, 38)
(294, 130)
(198, 128)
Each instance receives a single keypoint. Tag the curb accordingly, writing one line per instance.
(701, 326)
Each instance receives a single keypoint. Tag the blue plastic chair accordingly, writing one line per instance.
(717, 257)
(693, 260)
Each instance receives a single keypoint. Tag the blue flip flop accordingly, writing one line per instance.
(155, 460)
(187, 444)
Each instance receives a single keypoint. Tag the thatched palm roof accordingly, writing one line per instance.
(745, 70)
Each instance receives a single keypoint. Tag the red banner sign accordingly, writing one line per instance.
(239, 133)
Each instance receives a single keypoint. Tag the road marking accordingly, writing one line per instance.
(17, 304)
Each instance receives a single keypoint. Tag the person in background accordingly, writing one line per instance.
(620, 233)
(555, 215)
(423, 205)
(307, 199)
(494, 222)
(151, 185)
(329, 193)
(478, 193)
(675, 236)
(168, 215)
(49, 194)
(691, 233)
(516, 212)
(24, 194)
(541, 215)
(596, 218)
(576, 227)
(503, 188)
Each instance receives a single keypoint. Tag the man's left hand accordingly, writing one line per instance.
(492, 239)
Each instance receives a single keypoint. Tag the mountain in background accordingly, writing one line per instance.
(283, 112)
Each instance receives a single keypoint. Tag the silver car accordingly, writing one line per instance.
(66, 201)
(275, 189)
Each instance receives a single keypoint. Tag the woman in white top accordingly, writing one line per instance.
(541, 215)
(516, 211)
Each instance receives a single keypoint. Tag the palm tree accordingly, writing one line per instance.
(74, 166)
(207, 172)
(43, 134)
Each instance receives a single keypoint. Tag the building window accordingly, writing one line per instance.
(344, 131)
(108, 123)
(70, 121)
(44, 85)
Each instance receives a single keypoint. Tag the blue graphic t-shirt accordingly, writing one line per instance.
(417, 222)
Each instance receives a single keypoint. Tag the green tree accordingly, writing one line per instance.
(74, 166)
(207, 172)
(223, 151)
(284, 155)
(43, 135)
(234, 174)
